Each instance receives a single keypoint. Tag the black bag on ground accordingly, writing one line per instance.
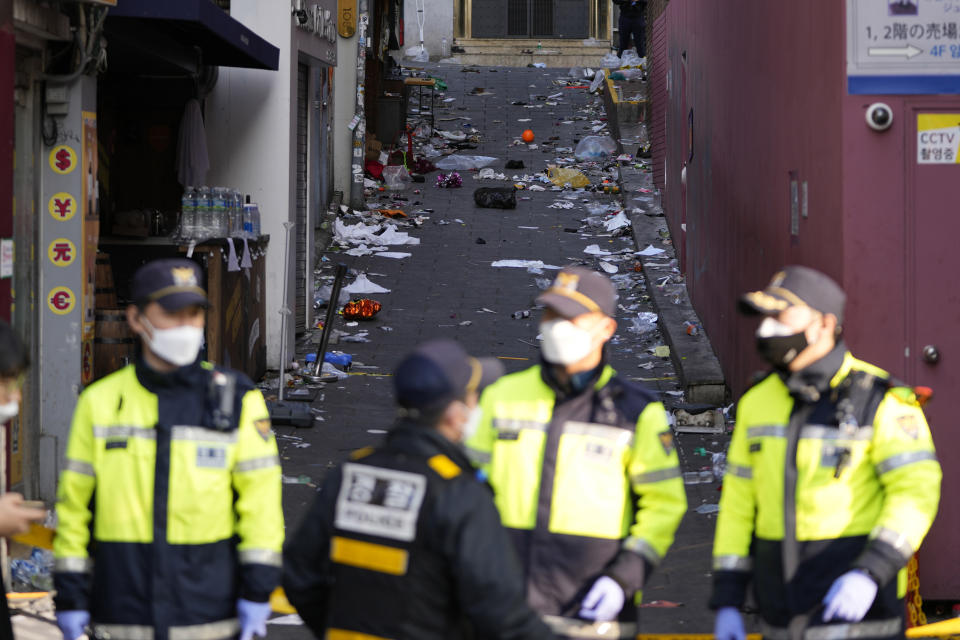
(496, 197)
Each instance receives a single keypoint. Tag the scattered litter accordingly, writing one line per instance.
(567, 176)
(661, 604)
(650, 251)
(643, 323)
(298, 480)
(455, 137)
(496, 197)
(451, 181)
(523, 264)
(376, 431)
(609, 268)
(661, 351)
(362, 309)
(464, 163)
(709, 422)
(392, 254)
(489, 174)
(708, 508)
(520, 315)
(561, 204)
(595, 250)
(595, 148)
(466, 323)
(618, 221)
(396, 177)
(291, 619)
(364, 285)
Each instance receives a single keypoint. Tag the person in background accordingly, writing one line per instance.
(15, 517)
(632, 24)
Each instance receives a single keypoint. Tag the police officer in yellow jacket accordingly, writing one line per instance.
(832, 480)
(169, 517)
(403, 542)
(583, 466)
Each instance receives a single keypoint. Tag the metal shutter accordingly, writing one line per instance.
(300, 316)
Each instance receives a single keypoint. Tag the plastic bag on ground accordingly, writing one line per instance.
(597, 80)
(429, 151)
(363, 285)
(595, 148)
(417, 54)
(610, 61)
(464, 163)
(396, 177)
(496, 197)
(562, 176)
(630, 59)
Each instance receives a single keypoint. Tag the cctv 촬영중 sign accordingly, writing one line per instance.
(346, 18)
(938, 138)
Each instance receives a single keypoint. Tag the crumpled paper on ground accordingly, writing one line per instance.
(367, 234)
(363, 285)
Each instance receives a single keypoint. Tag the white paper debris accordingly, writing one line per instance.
(523, 264)
(617, 222)
(609, 268)
(363, 285)
(595, 250)
(650, 251)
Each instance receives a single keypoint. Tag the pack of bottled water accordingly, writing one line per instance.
(217, 212)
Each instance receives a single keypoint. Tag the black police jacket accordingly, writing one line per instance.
(404, 543)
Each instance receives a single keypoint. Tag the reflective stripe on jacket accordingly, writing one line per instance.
(404, 543)
(163, 521)
(817, 486)
(588, 484)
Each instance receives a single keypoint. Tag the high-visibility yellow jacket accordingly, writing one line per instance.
(168, 504)
(587, 483)
(827, 471)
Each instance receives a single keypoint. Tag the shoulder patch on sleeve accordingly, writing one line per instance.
(666, 441)
(910, 425)
(263, 427)
(444, 466)
(359, 454)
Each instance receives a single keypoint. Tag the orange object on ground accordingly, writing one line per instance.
(528, 135)
(392, 213)
(362, 309)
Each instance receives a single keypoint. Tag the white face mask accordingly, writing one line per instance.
(473, 421)
(564, 343)
(772, 328)
(9, 411)
(179, 345)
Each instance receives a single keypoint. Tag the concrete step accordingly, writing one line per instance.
(555, 53)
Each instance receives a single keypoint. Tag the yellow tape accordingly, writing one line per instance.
(366, 555)
(279, 602)
(343, 634)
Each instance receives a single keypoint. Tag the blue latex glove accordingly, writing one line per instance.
(604, 601)
(253, 618)
(72, 623)
(729, 625)
(849, 597)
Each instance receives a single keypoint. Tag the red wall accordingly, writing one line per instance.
(765, 81)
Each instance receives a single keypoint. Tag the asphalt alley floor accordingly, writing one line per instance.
(448, 288)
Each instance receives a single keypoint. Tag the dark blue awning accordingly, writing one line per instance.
(222, 41)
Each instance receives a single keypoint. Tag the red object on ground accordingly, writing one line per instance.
(528, 136)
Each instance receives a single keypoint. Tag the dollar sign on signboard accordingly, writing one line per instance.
(63, 159)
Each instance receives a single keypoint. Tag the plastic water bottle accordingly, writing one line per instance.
(204, 223)
(188, 213)
(444, 48)
(256, 220)
(236, 221)
(248, 219)
(219, 212)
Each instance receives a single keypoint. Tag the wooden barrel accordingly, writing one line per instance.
(104, 290)
(114, 345)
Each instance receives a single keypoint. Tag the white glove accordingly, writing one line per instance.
(849, 597)
(604, 600)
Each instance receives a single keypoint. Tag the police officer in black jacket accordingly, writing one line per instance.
(633, 16)
(404, 542)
